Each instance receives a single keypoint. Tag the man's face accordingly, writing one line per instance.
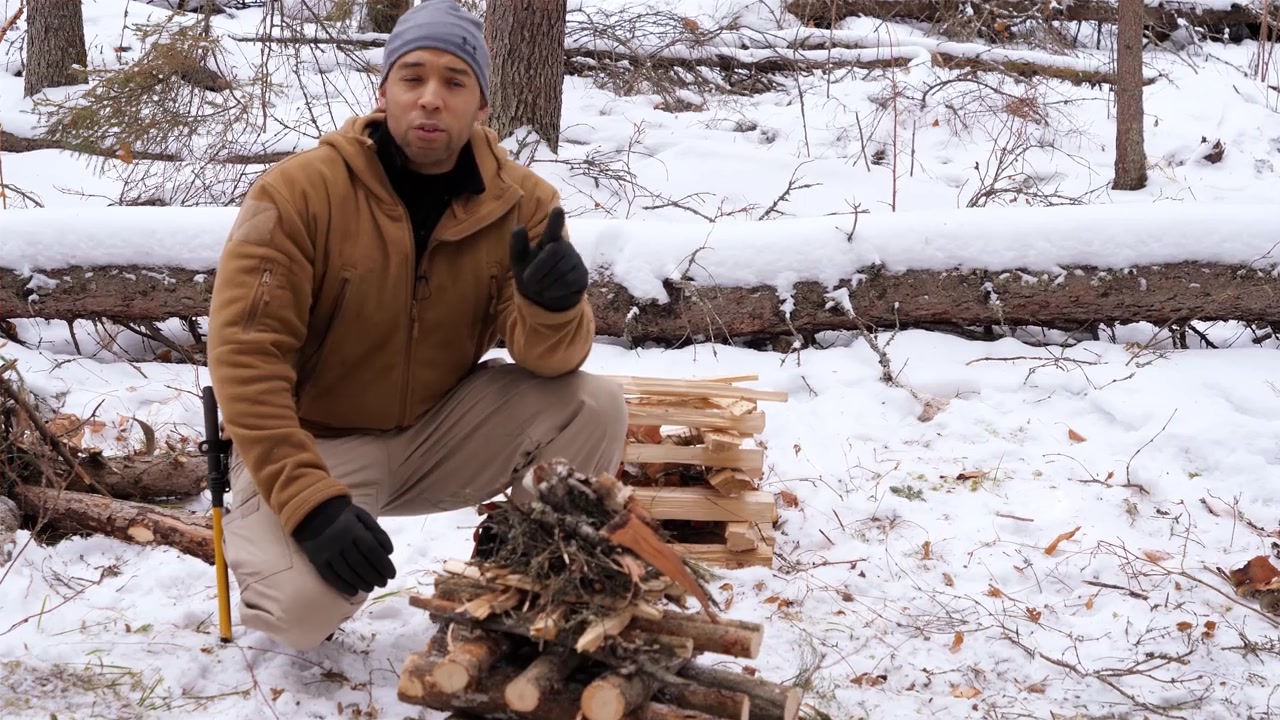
(432, 99)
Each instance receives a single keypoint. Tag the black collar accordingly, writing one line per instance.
(463, 178)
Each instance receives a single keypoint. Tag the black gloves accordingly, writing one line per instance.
(551, 275)
(348, 547)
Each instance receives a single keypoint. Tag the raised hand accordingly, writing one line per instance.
(550, 274)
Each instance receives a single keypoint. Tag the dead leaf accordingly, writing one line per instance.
(1185, 626)
(926, 551)
(727, 587)
(948, 580)
(1088, 604)
(867, 680)
(965, 692)
(1156, 556)
(931, 408)
(1074, 436)
(1036, 688)
(995, 592)
(971, 475)
(690, 24)
(1064, 536)
(1034, 614)
(1255, 575)
(276, 693)
(126, 153)
(789, 498)
(957, 641)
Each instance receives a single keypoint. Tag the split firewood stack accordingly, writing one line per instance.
(575, 605)
(693, 458)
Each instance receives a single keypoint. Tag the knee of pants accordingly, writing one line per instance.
(295, 611)
(605, 406)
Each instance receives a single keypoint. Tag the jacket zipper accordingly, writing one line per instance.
(259, 299)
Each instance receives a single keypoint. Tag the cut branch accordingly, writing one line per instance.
(1171, 293)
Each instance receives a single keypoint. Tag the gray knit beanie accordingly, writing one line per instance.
(443, 25)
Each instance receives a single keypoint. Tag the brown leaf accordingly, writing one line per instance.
(789, 498)
(1064, 536)
(1257, 574)
(276, 693)
(971, 474)
(965, 692)
(1034, 614)
(727, 587)
(1036, 688)
(1156, 556)
(1088, 604)
(948, 580)
(926, 551)
(868, 680)
(995, 592)
(957, 641)
(1185, 626)
(1074, 436)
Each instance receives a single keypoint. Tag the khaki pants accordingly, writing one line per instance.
(471, 447)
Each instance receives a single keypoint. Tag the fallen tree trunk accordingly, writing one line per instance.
(157, 477)
(578, 59)
(17, 144)
(1161, 19)
(68, 512)
(1177, 292)
(139, 478)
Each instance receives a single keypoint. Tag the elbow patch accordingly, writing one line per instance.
(255, 223)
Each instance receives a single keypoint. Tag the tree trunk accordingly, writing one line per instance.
(1158, 294)
(55, 45)
(1131, 155)
(526, 82)
(380, 16)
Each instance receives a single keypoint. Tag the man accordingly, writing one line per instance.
(360, 286)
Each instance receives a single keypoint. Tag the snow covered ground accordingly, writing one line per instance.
(917, 567)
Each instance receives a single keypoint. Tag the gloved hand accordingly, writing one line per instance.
(551, 275)
(347, 546)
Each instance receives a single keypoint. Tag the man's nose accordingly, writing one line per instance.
(430, 98)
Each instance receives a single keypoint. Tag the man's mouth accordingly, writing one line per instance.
(428, 130)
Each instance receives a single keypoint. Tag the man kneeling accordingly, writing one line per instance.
(362, 283)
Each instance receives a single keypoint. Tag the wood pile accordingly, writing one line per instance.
(691, 459)
(567, 610)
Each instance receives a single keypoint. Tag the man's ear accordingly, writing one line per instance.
(483, 117)
(382, 98)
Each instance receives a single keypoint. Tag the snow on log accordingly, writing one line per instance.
(668, 281)
(1163, 17)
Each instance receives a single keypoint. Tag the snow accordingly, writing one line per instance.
(912, 576)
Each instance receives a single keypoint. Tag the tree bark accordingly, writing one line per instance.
(1176, 292)
(380, 16)
(1131, 155)
(55, 46)
(133, 478)
(138, 523)
(526, 81)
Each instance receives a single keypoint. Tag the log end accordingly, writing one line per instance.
(451, 676)
(411, 688)
(791, 703)
(522, 696)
